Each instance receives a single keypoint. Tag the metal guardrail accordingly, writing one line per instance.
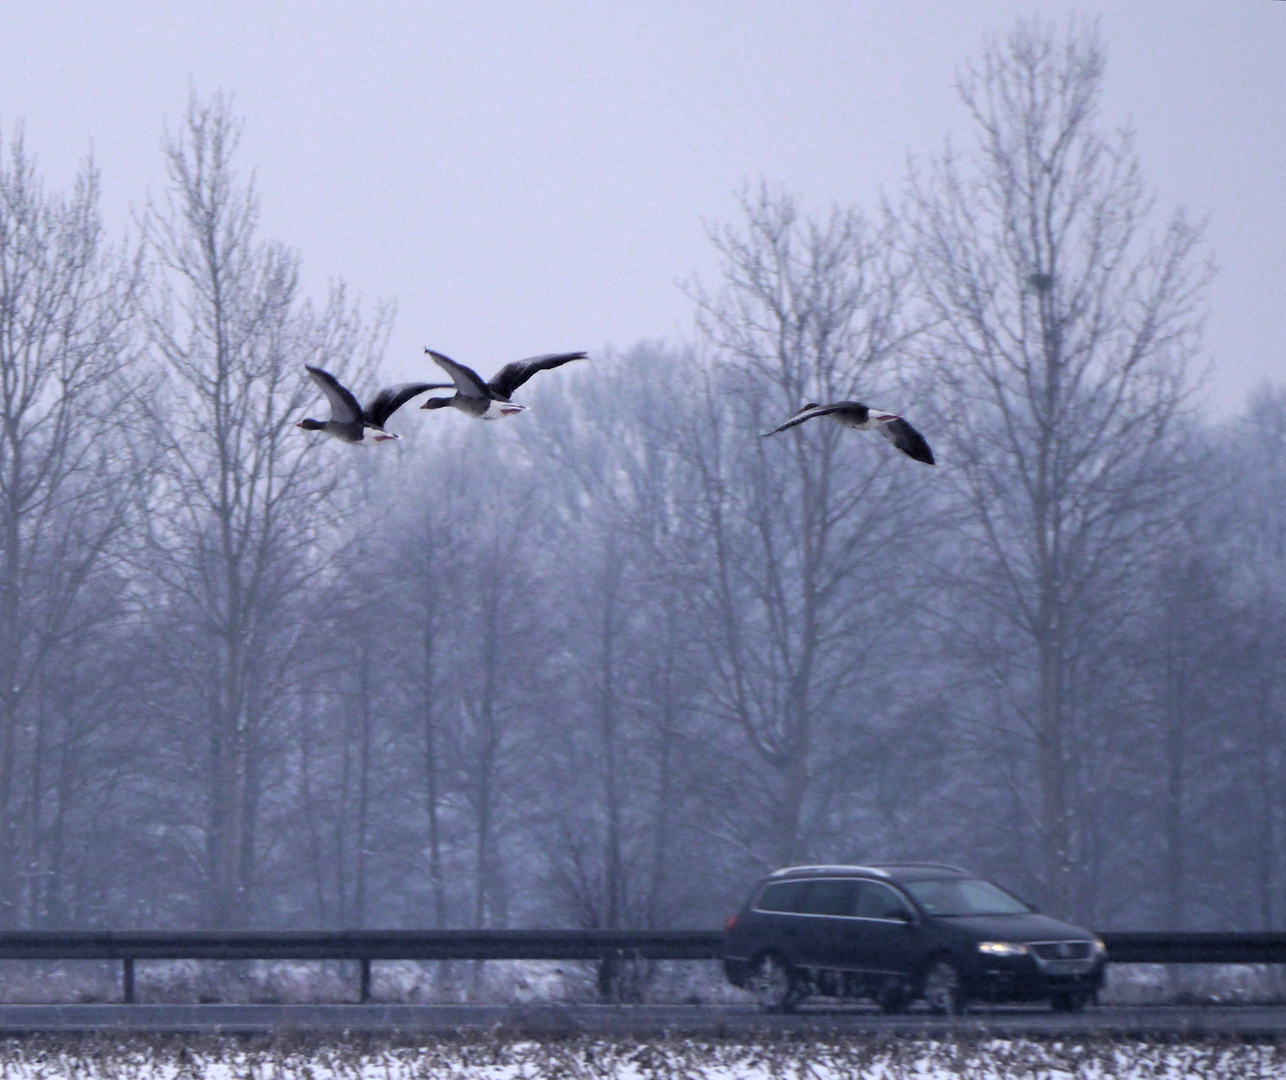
(359, 944)
(365, 946)
(1195, 947)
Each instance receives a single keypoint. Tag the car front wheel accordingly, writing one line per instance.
(773, 983)
(1070, 1001)
(894, 997)
(942, 988)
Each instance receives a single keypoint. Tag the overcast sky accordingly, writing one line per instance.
(527, 177)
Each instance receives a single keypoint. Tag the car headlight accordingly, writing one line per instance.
(1002, 948)
(1099, 948)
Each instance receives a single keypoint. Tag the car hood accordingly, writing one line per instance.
(1025, 927)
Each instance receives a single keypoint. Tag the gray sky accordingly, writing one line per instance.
(521, 178)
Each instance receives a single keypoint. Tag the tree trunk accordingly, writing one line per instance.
(437, 880)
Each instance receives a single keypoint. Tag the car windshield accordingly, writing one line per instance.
(964, 896)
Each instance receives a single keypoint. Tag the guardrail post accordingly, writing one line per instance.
(609, 976)
(365, 995)
(127, 979)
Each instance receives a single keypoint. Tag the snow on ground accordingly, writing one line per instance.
(625, 1059)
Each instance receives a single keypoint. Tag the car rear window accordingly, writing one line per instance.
(781, 896)
(964, 896)
(811, 896)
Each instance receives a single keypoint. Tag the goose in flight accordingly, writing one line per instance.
(853, 414)
(490, 400)
(349, 422)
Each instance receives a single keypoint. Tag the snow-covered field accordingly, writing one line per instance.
(590, 1059)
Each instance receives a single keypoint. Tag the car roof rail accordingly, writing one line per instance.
(847, 868)
(926, 865)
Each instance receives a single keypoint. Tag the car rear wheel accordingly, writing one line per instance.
(942, 988)
(774, 984)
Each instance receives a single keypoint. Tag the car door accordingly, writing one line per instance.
(827, 907)
(888, 942)
(779, 907)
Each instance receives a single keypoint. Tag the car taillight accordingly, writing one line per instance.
(729, 923)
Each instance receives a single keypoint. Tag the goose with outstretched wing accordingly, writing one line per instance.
(491, 400)
(853, 414)
(349, 422)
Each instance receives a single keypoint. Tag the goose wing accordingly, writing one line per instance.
(907, 439)
(467, 381)
(392, 398)
(808, 412)
(344, 408)
(504, 382)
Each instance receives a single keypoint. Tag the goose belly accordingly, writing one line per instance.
(498, 410)
(869, 422)
(373, 436)
(346, 433)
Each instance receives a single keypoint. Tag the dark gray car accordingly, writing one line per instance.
(896, 932)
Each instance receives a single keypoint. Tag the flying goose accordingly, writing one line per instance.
(853, 414)
(490, 400)
(349, 422)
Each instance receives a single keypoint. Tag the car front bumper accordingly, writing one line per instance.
(1026, 980)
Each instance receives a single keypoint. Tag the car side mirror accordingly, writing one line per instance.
(905, 916)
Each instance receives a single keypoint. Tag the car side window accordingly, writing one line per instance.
(830, 896)
(781, 896)
(877, 901)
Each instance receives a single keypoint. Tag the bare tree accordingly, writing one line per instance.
(1257, 550)
(426, 563)
(66, 305)
(242, 494)
(1189, 653)
(793, 540)
(614, 497)
(1060, 355)
(490, 728)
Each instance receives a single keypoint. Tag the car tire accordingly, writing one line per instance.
(894, 997)
(774, 983)
(941, 988)
(1071, 1001)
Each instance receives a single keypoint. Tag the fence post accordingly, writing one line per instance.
(127, 979)
(366, 980)
(609, 976)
